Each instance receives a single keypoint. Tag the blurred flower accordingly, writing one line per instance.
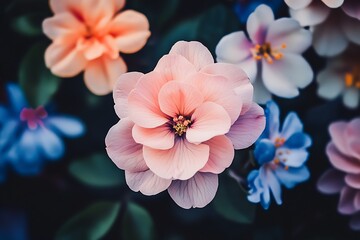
(88, 35)
(180, 124)
(272, 58)
(343, 152)
(342, 77)
(13, 225)
(281, 156)
(243, 8)
(333, 28)
(29, 136)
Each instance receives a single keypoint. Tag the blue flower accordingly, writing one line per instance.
(29, 136)
(243, 8)
(281, 156)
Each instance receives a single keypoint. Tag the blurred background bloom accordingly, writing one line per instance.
(88, 36)
(29, 137)
(341, 77)
(272, 57)
(281, 156)
(343, 152)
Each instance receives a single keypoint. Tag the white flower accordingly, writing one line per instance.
(341, 77)
(272, 57)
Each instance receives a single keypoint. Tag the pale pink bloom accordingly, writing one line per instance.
(341, 77)
(344, 154)
(88, 36)
(180, 124)
(333, 27)
(272, 57)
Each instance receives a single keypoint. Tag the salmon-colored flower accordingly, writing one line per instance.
(88, 36)
(180, 124)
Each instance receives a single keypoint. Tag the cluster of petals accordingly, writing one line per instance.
(281, 156)
(88, 36)
(29, 137)
(341, 77)
(335, 23)
(343, 152)
(179, 124)
(272, 57)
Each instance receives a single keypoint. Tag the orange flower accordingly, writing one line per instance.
(88, 36)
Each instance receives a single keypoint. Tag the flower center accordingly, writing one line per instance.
(279, 142)
(33, 117)
(265, 51)
(352, 79)
(180, 125)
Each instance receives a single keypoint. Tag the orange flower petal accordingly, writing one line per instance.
(101, 74)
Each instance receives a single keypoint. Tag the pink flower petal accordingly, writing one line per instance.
(174, 67)
(209, 120)
(340, 161)
(178, 98)
(296, 4)
(125, 83)
(353, 180)
(196, 192)
(143, 104)
(218, 89)
(338, 135)
(63, 27)
(258, 23)
(101, 74)
(332, 181)
(194, 52)
(146, 182)
(248, 127)
(64, 60)
(346, 202)
(159, 138)
(180, 162)
(351, 28)
(357, 201)
(238, 80)
(289, 32)
(131, 31)
(221, 154)
(352, 8)
(312, 15)
(233, 48)
(122, 149)
(333, 3)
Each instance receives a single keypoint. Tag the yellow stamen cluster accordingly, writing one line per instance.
(265, 51)
(279, 142)
(180, 125)
(352, 79)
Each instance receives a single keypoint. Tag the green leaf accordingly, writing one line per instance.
(90, 224)
(137, 223)
(35, 79)
(98, 171)
(28, 24)
(231, 202)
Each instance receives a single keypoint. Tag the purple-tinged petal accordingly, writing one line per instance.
(331, 182)
(340, 161)
(312, 15)
(346, 202)
(352, 8)
(258, 23)
(353, 180)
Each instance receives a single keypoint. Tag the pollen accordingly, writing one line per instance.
(352, 78)
(180, 125)
(265, 51)
(279, 142)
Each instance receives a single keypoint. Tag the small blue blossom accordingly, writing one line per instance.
(243, 8)
(29, 136)
(281, 156)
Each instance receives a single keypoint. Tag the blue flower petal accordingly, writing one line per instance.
(292, 124)
(292, 157)
(16, 97)
(293, 176)
(264, 151)
(4, 114)
(274, 185)
(298, 140)
(272, 114)
(65, 125)
(50, 144)
(255, 186)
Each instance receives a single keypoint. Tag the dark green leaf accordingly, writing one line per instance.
(137, 223)
(231, 202)
(29, 24)
(98, 171)
(36, 80)
(90, 224)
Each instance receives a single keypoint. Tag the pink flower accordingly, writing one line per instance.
(180, 124)
(88, 36)
(335, 23)
(344, 154)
